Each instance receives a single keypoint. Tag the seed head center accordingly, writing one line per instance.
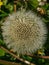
(23, 31)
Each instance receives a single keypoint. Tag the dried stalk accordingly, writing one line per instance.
(8, 63)
(15, 2)
(25, 61)
(44, 57)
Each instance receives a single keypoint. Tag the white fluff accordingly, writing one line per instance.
(24, 32)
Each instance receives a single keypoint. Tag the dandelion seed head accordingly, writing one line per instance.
(24, 32)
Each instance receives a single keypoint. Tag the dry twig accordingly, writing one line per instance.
(44, 57)
(25, 61)
(8, 63)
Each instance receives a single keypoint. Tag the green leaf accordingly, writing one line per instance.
(34, 3)
(3, 15)
(46, 63)
(45, 7)
(41, 61)
(48, 12)
(2, 53)
(27, 58)
(9, 7)
(1, 42)
(19, 4)
(5, 2)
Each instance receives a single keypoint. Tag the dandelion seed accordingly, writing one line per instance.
(24, 32)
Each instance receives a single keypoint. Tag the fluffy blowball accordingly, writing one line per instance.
(24, 32)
